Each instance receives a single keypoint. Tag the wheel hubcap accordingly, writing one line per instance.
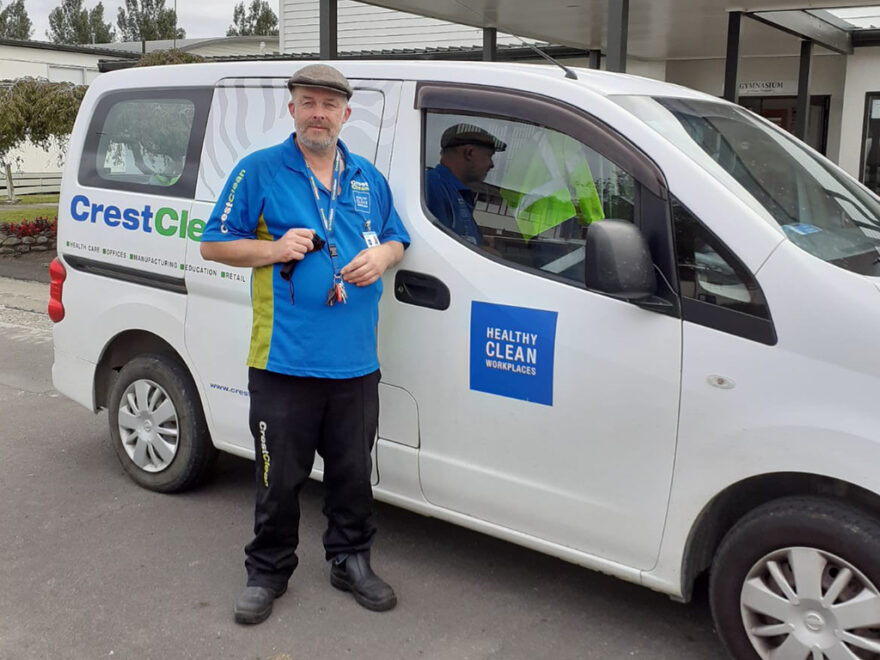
(814, 622)
(807, 604)
(148, 425)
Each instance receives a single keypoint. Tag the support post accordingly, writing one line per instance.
(328, 30)
(490, 44)
(802, 112)
(10, 186)
(594, 59)
(731, 66)
(618, 32)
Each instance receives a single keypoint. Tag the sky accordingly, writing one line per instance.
(200, 18)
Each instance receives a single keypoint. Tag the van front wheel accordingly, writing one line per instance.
(798, 578)
(157, 425)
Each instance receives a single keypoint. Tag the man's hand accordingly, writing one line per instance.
(293, 246)
(369, 264)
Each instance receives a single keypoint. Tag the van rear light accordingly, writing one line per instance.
(58, 274)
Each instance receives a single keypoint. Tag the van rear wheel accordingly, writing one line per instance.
(798, 578)
(157, 425)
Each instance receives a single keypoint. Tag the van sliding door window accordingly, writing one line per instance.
(521, 191)
(146, 142)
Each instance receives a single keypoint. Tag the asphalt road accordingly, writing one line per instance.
(92, 566)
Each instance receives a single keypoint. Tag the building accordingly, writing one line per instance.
(829, 56)
(261, 46)
(81, 64)
(57, 63)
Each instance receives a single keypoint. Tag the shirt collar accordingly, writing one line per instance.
(294, 159)
(447, 175)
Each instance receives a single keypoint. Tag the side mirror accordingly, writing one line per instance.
(618, 262)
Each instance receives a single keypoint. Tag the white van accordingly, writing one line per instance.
(683, 379)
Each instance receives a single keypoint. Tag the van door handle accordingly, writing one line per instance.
(419, 289)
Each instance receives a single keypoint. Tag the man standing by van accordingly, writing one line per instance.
(313, 370)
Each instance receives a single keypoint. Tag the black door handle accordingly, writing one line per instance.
(420, 289)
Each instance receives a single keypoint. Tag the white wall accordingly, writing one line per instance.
(16, 62)
(827, 78)
(862, 76)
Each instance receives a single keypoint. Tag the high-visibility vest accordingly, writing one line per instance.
(548, 185)
(166, 179)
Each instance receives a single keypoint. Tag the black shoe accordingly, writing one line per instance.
(254, 604)
(355, 575)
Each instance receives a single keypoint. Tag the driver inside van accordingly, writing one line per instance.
(466, 153)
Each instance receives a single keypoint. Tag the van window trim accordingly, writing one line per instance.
(505, 102)
(718, 317)
(185, 186)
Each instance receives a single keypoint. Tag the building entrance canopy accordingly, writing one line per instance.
(657, 29)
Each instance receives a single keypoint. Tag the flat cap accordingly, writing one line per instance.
(460, 134)
(320, 75)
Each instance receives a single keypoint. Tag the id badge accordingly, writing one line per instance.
(371, 239)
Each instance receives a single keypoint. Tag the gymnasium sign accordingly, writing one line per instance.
(768, 88)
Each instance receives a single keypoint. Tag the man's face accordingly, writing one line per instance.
(479, 162)
(318, 115)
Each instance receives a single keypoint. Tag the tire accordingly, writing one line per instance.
(157, 425)
(798, 578)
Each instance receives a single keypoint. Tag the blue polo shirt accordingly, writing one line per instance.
(452, 202)
(266, 194)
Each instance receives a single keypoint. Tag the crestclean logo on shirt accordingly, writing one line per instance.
(360, 186)
(229, 200)
(165, 221)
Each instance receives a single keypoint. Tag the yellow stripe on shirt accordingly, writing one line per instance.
(263, 300)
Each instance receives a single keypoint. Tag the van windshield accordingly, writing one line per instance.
(819, 208)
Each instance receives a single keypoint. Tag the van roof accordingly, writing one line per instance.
(541, 78)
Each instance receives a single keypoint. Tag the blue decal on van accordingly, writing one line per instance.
(512, 351)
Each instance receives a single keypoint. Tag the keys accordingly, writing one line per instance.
(337, 294)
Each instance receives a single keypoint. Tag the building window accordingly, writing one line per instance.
(869, 170)
(782, 111)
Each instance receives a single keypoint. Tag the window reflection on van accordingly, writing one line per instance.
(145, 141)
(820, 209)
(535, 203)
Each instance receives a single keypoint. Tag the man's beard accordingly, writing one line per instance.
(314, 145)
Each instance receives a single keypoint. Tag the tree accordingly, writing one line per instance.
(259, 19)
(15, 22)
(71, 23)
(170, 56)
(37, 111)
(147, 20)
(102, 33)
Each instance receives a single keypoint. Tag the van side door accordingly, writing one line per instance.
(544, 407)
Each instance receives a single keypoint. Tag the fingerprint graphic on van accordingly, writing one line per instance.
(251, 114)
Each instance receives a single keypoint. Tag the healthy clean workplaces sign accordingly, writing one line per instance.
(512, 351)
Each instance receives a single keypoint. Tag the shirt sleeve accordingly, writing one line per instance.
(238, 208)
(392, 225)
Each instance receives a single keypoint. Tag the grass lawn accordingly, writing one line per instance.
(30, 207)
(38, 199)
(30, 212)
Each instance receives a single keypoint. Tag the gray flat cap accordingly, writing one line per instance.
(460, 134)
(320, 75)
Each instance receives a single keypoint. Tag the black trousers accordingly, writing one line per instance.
(291, 418)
